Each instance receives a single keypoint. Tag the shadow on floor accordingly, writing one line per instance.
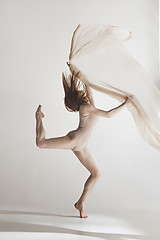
(14, 226)
(37, 213)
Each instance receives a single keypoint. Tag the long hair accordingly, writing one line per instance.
(75, 92)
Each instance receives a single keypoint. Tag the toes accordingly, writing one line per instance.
(83, 216)
(39, 108)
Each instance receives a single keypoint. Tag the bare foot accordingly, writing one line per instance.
(39, 114)
(80, 206)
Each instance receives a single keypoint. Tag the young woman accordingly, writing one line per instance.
(78, 97)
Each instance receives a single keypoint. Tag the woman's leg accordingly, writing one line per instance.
(65, 142)
(89, 162)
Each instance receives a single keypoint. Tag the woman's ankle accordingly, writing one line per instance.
(81, 202)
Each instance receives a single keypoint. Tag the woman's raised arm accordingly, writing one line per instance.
(109, 113)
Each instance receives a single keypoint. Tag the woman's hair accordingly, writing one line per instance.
(75, 92)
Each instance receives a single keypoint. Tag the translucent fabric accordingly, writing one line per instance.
(105, 64)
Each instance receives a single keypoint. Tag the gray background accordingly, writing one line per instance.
(35, 43)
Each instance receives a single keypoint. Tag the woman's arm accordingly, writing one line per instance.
(110, 113)
(115, 110)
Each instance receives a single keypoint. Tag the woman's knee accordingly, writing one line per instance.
(96, 173)
(40, 143)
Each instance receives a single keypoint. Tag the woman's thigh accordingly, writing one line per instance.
(88, 160)
(64, 142)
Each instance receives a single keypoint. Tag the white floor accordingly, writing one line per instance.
(27, 225)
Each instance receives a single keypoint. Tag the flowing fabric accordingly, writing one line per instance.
(105, 64)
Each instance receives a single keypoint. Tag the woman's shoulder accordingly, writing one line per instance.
(85, 109)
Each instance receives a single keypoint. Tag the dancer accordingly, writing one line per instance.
(78, 98)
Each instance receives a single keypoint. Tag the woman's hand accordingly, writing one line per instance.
(126, 100)
(129, 99)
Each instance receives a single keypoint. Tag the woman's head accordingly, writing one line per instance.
(75, 92)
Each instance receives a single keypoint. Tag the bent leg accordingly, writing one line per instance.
(65, 142)
(90, 163)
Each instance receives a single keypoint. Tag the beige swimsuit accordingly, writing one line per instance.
(84, 130)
